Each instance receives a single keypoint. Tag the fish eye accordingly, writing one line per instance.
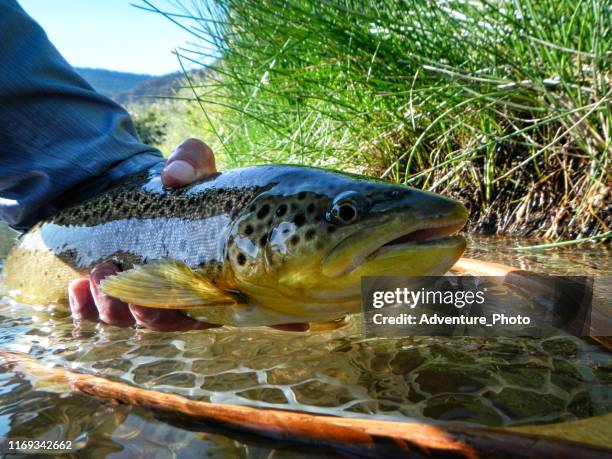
(344, 212)
(346, 208)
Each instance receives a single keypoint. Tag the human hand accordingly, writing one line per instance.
(192, 160)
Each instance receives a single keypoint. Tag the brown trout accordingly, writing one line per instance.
(260, 245)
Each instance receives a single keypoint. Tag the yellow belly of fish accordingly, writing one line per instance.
(251, 315)
(40, 278)
(37, 277)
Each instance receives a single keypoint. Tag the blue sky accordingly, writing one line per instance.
(110, 34)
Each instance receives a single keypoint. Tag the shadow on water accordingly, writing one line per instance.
(473, 381)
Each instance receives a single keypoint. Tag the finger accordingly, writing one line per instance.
(111, 310)
(81, 302)
(166, 319)
(192, 160)
(292, 327)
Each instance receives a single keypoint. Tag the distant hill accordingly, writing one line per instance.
(134, 88)
(146, 90)
(112, 83)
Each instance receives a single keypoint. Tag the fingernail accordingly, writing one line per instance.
(181, 171)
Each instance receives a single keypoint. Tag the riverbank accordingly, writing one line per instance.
(505, 106)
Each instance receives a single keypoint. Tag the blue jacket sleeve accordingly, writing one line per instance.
(60, 141)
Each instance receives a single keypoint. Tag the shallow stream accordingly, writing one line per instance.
(476, 381)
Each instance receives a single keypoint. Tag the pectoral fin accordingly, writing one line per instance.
(166, 284)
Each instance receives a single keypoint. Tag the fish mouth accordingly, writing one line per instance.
(422, 237)
(382, 249)
(420, 240)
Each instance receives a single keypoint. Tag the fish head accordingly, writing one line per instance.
(302, 246)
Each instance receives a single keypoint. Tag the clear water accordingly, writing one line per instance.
(474, 381)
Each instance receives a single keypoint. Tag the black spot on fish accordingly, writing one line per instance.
(269, 223)
(286, 231)
(301, 195)
(263, 240)
(318, 217)
(282, 210)
(248, 230)
(229, 205)
(263, 211)
(310, 234)
(295, 239)
(241, 259)
(310, 209)
(299, 220)
(252, 208)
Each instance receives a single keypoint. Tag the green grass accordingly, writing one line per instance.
(505, 105)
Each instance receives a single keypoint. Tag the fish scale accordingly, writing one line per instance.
(260, 245)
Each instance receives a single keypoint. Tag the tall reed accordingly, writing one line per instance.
(504, 104)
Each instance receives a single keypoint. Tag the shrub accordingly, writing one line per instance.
(150, 125)
(504, 104)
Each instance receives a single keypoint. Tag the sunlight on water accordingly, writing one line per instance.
(477, 381)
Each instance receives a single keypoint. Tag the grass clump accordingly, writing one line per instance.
(505, 105)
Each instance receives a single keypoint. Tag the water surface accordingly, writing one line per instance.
(474, 381)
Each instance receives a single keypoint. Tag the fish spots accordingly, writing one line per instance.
(281, 210)
(263, 211)
(131, 197)
(283, 227)
(241, 259)
(299, 220)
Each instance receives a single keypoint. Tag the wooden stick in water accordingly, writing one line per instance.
(364, 437)
(536, 283)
